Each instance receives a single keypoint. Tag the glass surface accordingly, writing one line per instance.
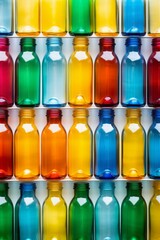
(6, 17)
(153, 18)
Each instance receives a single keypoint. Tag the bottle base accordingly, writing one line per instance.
(80, 33)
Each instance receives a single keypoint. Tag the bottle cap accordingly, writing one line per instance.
(134, 185)
(54, 186)
(80, 112)
(106, 112)
(4, 41)
(56, 41)
(81, 186)
(133, 112)
(156, 41)
(80, 41)
(107, 41)
(156, 112)
(54, 113)
(28, 41)
(133, 41)
(27, 112)
(27, 186)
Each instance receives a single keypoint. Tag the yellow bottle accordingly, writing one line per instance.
(27, 17)
(80, 146)
(26, 147)
(133, 146)
(154, 17)
(54, 17)
(54, 219)
(80, 69)
(106, 18)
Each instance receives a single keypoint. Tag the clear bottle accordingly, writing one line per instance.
(81, 214)
(106, 17)
(54, 75)
(54, 147)
(6, 17)
(80, 146)
(107, 213)
(27, 75)
(26, 147)
(54, 210)
(133, 71)
(80, 81)
(6, 214)
(133, 146)
(106, 146)
(54, 17)
(27, 214)
(27, 17)
(134, 213)
(153, 18)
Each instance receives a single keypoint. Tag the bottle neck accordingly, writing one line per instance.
(104, 48)
(26, 120)
(133, 120)
(134, 192)
(54, 48)
(4, 120)
(80, 120)
(81, 193)
(54, 193)
(27, 48)
(4, 48)
(105, 192)
(106, 119)
(53, 120)
(28, 193)
(133, 48)
(83, 48)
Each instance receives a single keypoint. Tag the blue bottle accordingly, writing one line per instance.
(133, 17)
(133, 70)
(6, 17)
(27, 214)
(154, 146)
(107, 213)
(106, 146)
(54, 75)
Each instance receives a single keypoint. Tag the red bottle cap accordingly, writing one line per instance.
(54, 113)
(4, 41)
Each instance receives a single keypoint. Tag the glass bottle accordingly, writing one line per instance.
(54, 147)
(106, 91)
(154, 212)
(133, 71)
(80, 67)
(153, 86)
(153, 18)
(133, 146)
(6, 74)
(106, 145)
(106, 17)
(133, 17)
(27, 214)
(6, 17)
(27, 17)
(80, 17)
(6, 214)
(26, 147)
(81, 213)
(54, 75)
(80, 146)
(53, 17)
(27, 79)
(134, 213)
(107, 213)
(54, 213)
(6, 146)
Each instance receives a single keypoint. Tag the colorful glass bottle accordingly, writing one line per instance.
(27, 79)
(54, 147)
(133, 71)
(26, 147)
(54, 75)
(6, 17)
(6, 214)
(27, 214)
(133, 146)
(80, 67)
(53, 17)
(6, 74)
(6, 147)
(80, 146)
(80, 17)
(133, 17)
(54, 213)
(153, 86)
(153, 18)
(154, 213)
(27, 17)
(106, 91)
(107, 213)
(134, 213)
(106, 17)
(106, 145)
(81, 214)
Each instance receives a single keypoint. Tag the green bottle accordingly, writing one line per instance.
(6, 214)
(27, 80)
(81, 214)
(134, 214)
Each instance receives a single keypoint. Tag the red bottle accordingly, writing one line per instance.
(153, 85)
(6, 146)
(106, 75)
(6, 74)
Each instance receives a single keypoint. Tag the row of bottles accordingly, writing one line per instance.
(54, 75)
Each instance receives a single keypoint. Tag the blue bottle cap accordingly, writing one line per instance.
(156, 112)
(56, 41)
(106, 112)
(27, 186)
(133, 41)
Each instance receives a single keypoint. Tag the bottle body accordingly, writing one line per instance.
(54, 75)
(153, 18)
(106, 144)
(6, 17)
